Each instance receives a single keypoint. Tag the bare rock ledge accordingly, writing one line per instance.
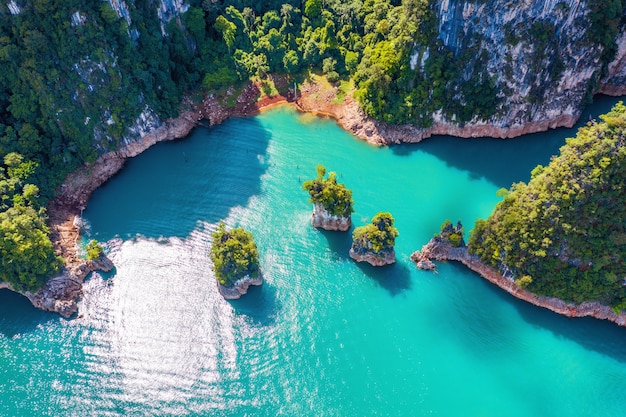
(441, 250)
(240, 287)
(324, 220)
(372, 259)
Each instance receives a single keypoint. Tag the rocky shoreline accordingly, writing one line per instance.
(372, 259)
(72, 196)
(240, 287)
(441, 250)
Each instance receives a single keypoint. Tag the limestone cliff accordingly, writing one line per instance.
(323, 219)
(541, 55)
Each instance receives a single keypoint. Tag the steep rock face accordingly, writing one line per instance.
(240, 287)
(323, 219)
(614, 84)
(373, 259)
(538, 52)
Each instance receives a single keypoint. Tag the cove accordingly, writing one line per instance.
(323, 336)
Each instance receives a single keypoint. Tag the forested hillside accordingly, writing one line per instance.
(564, 233)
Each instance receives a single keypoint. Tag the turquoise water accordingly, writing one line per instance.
(323, 336)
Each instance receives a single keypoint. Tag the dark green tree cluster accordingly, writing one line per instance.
(454, 234)
(378, 237)
(334, 197)
(563, 234)
(94, 250)
(234, 255)
(26, 254)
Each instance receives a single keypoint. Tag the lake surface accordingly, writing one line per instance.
(323, 336)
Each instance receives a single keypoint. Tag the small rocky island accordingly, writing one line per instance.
(374, 242)
(235, 261)
(332, 201)
(450, 237)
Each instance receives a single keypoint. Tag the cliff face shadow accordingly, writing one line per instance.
(597, 335)
(17, 314)
(500, 161)
(505, 161)
(259, 305)
(172, 186)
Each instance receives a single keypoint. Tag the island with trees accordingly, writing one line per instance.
(332, 201)
(560, 241)
(374, 242)
(235, 260)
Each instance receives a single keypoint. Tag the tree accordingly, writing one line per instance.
(566, 227)
(227, 29)
(377, 238)
(313, 8)
(94, 250)
(334, 197)
(234, 255)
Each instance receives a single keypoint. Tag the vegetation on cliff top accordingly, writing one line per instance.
(377, 238)
(564, 233)
(234, 255)
(334, 197)
(453, 234)
(26, 254)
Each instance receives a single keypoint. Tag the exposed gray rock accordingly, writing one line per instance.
(374, 259)
(240, 287)
(323, 219)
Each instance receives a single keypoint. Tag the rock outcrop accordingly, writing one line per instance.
(61, 293)
(321, 218)
(441, 250)
(240, 287)
(614, 84)
(386, 258)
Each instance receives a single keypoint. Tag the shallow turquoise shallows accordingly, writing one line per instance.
(323, 336)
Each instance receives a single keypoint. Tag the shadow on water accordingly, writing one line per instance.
(501, 162)
(17, 314)
(597, 335)
(504, 161)
(394, 278)
(339, 242)
(260, 305)
(172, 186)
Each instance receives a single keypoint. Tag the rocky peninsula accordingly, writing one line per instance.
(439, 249)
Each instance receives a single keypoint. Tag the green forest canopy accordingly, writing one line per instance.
(377, 237)
(26, 254)
(564, 233)
(234, 255)
(334, 197)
